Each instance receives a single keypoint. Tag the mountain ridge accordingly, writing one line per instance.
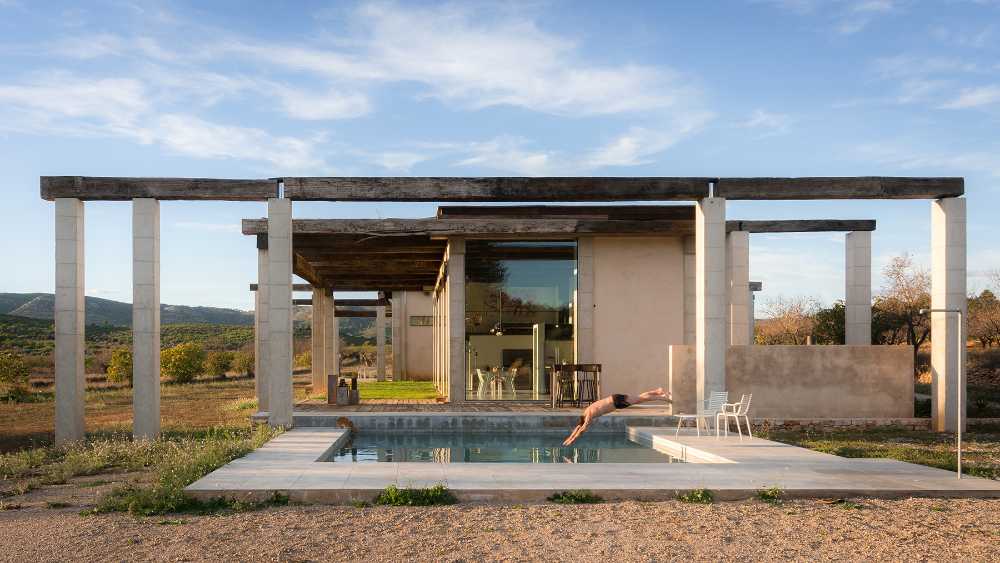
(106, 311)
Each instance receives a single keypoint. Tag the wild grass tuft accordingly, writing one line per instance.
(394, 496)
(579, 496)
(697, 496)
(771, 495)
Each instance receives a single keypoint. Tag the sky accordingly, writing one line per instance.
(544, 88)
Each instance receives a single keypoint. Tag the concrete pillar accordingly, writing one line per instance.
(69, 321)
(261, 332)
(331, 336)
(380, 343)
(145, 318)
(538, 374)
(738, 282)
(397, 336)
(279, 322)
(456, 319)
(858, 288)
(948, 336)
(318, 340)
(583, 307)
(711, 295)
(690, 291)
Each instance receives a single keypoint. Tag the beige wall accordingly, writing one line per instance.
(638, 310)
(419, 363)
(808, 381)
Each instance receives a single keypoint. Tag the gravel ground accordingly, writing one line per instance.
(911, 529)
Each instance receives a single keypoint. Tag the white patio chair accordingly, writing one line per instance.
(735, 411)
(484, 380)
(509, 382)
(708, 410)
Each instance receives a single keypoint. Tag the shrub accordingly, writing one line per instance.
(243, 363)
(697, 496)
(182, 362)
(394, 496)
(581, 496)
(120, 366)
(218, 363)
(304, 360)
(771, 495)
(14, 372)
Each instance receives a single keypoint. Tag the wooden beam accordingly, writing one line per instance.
(802, 226)
(362, 302)
(302, 268)
(122, 189)
(495, 189)
(295, 287)
(302, 301)
(864, 187)
(473, 227)
(605, 212)
(359, 314)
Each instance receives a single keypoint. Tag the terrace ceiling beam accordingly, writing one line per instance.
(94, 188)
(862, 187)
(495, 189)
(802, 226)
(473, 227)
(295, 287)
(363, 303)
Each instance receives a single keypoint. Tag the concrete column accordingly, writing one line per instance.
(583, 306)
(711, 296)
(538, 360)
(948, 336)
(380, 343)
(858, 290)
(262, 350)
(397, 336)
(279, 322)
(738, 282)
(318, 340)
(690, 291)
(145, 318)
(331, 336)
(69, 321)
(456, 319)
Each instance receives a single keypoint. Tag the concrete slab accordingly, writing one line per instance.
(731, 468)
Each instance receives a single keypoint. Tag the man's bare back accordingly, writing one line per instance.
(609, 404)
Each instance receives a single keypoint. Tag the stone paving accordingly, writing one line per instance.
(730, 467)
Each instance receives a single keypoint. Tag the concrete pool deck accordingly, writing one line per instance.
(731, 468)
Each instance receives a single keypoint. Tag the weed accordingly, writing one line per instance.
(176, 522)
(360, 503)
(697, 496)
(771, 495)
(10, 506)
(579, 496)
(57, 504)
(394, 496)
(846, 504)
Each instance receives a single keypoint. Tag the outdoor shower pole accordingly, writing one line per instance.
(958, 396)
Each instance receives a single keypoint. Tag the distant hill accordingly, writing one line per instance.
(108, 312)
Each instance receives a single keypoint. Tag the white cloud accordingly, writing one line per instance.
(508, 153)
(399, 160)
(906, 158)
(975, 97)
(330, 105)
(90, 47)
(769, 122)
(846, 17)
(639, 144)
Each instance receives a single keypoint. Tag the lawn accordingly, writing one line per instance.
(397, 390)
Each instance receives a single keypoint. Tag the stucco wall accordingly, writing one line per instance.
(808, 381)
(638, 310)
(418, 339)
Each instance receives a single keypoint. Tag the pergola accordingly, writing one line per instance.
(428, 254)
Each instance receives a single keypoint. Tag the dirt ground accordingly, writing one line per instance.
(911, 529)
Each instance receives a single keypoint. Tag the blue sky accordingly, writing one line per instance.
(740, 88)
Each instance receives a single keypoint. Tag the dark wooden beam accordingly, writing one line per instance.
(349, 313)
(302, 301)
(863, 187)
(473, 227)
(361, 302)
(295, 287)
(802, 226)
(122, 189)
(302, 268)
(495, 189)
(605, 212)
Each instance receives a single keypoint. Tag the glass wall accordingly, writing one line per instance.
(519, 314)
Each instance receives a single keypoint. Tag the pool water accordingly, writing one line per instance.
(372, 447)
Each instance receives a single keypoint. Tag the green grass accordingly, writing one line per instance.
(579, 496)
(394, 496)
(697, 496)
(771, 495)
(980, 456)
(397, 390)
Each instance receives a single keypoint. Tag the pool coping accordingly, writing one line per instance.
(731, 468)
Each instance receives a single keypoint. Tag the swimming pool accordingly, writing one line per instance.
(375, 447)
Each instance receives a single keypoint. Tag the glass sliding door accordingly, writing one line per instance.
(519, 311)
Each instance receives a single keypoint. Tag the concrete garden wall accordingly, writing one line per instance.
(807, 381)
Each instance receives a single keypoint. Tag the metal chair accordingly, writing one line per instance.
(563, 390)
(735, 411)
(588, 381)
(707, 410)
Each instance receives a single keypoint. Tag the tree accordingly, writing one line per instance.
(788, 321)
(829, 325)
(182, 362)
(120, 366)
(218, 363)
(304, 360)
(984, 318)
(14, 373)
(243, 363)
(907, 291)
